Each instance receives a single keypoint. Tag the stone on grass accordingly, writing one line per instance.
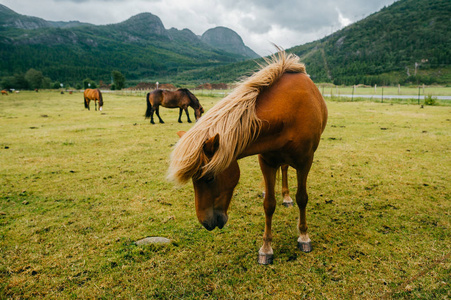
(153, 240)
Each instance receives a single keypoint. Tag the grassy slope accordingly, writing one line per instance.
(77, 188)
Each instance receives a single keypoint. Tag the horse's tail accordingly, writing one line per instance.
(149, 106)
(84, 100)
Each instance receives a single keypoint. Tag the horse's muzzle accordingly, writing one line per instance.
(217, 220)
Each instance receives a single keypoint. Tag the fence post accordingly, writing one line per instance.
(419, 90)
(382, 95)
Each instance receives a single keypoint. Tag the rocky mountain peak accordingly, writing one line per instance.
(228, 40)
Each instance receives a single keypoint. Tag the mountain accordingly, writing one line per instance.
(140, 48)
(407, 42)
(9, 18)
(228, 40)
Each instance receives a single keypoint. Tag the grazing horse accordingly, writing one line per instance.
(95, 95)
(182, 98)
(277, 113)
(5, 92)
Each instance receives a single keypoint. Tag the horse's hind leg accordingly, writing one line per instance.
(180, 115)
(265, 254)
(95, 103)
(157, 111)
(304, 242)
(287, 201)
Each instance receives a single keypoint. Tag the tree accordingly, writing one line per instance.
(118, 79)
(89, 84)
(35, 78)
(17, 82)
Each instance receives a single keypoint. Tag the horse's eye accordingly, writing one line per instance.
(209, 179)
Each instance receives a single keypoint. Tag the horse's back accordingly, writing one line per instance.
(293, 115)
(296, 101)
(173, 99)
(154, 97)
(90, 94)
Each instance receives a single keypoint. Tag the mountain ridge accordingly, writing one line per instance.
(400, 44)
(140, 47)
(407, 42)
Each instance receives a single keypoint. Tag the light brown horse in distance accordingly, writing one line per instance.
(181, 98)
(277, 113)
(5, 92)
(95, 95)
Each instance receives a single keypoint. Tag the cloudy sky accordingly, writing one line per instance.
(260, 23)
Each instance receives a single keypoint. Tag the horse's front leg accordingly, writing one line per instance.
(95, 103)
(304, 242)
(265, 254)
(187, 115)
(287, 201)
(157, 111)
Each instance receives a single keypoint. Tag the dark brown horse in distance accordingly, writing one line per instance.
(181, 98)
(95, 95)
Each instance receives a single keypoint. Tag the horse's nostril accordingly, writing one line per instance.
(221, 220)
(208, 226)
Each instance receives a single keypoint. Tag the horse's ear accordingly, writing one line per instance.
(211, 145)
(181, 133)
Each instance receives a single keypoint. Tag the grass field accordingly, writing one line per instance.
(386, 90)
(78, 188)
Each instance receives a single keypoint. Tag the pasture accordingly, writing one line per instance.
(79, 187)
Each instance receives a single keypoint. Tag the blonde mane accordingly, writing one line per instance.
(233, 118)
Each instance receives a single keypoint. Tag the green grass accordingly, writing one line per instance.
(387, 90)
(78, 188)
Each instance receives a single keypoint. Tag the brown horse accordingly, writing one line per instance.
(5, 92)
(182, 98)
(95, 95)
(277, 113)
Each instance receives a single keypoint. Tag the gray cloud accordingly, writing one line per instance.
(259, 22)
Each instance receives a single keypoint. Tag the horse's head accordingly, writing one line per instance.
(194, 103)
(214, 193)
(198, 112)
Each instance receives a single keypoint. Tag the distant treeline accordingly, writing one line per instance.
(34, 79)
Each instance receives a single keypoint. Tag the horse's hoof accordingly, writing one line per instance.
(180, 121)
(188, 122)
(305, 246)
(265, 259)
(288, 204)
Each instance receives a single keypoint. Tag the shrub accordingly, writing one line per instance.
(429, 100)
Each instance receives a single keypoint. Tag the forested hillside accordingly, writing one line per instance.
(139, 47)
(410, 41)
